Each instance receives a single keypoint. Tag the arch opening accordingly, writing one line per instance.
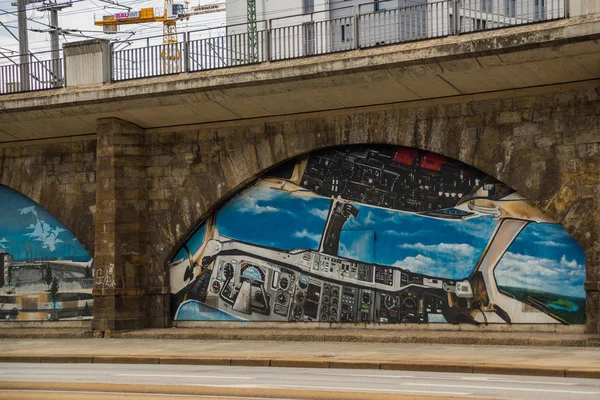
(45, 272)
(381, 234)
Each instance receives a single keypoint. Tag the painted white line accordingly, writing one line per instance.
(338, 388)
(187, 376)
(499, 388)
(490, 379)
(195, 396)
(466, 378)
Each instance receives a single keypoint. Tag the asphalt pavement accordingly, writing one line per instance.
(259, 382)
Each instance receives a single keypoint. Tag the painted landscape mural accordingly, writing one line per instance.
(45, 273)
(379, 234)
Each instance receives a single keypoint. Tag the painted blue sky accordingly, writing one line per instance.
(28, 231)
(544, 257)
(279, 219)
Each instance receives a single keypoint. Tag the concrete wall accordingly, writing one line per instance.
(582, 7)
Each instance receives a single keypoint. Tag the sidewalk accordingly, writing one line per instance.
(518, 360)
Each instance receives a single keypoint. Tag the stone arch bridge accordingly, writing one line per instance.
(132, 167)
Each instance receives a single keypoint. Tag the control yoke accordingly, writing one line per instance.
(339, 213)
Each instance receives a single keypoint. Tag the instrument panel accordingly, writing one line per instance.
(312, 286)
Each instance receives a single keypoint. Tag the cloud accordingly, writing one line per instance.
(393, 232)
(43, 232)
(361, 248)
(562, 277)
(28, 210)
(319, 213)
(315, 237)
(420, 264)
(369, 219)
(456, 249)
(249, 201)
(552, 243)
(4, 240)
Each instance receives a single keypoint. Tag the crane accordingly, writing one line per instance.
(169, 15)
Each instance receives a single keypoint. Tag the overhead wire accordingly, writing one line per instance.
(150, 27)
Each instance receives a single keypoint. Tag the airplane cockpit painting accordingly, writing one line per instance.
(45, 272)
(379, 234)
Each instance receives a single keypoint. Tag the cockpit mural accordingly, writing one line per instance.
(379, 234)
(45, 272)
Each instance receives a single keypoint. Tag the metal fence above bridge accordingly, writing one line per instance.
(302, 35)
(44, 71)
(325, 32)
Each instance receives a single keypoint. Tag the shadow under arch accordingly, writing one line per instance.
(351, 178)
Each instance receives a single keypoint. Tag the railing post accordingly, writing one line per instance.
(64, 71)
(186, 51)
(111, 60)
(356, 16)
(455, 17)
(268, 34)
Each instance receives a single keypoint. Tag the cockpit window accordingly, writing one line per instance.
(546, 267)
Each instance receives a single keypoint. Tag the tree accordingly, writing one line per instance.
(9, 278)
(54, 297)
(48, 277)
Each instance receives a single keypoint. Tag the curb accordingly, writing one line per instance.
(500, 369)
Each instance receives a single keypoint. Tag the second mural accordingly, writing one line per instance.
(379, 234)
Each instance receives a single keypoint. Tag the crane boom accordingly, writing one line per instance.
(169, 15)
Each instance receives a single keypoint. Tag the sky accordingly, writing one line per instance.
(28, 231)
(543, 258)
(83, 12)
(81, 16)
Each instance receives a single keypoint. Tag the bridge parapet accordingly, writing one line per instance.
(286, 38)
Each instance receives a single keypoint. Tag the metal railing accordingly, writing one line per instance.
(303, 35)
(405, 24)
(341, 29)
(42, 71)
(223, 47)
(478, 15)
(311, 34)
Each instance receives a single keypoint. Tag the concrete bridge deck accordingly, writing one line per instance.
(456, 68)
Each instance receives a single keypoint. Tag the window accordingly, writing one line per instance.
(346, 33)
(309, 6)
(486, 5)
(309, 39)
(509, 8)
(479, 24)
(540, 10)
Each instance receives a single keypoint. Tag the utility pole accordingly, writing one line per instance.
(23, 43)
(252, 31)
(54, 8)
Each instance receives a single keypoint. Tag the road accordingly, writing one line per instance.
(112, 380)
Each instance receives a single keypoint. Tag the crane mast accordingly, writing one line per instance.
(252, 31)
(169, 15)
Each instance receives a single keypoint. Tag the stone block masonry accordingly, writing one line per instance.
(59, 175)
(150, 188)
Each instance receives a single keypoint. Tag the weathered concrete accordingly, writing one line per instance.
(525, 56)
(61, 177)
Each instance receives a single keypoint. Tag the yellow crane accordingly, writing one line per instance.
(169, 15)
